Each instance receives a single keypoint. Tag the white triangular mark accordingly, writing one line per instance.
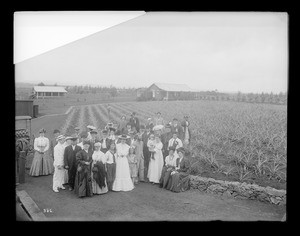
(38, 32)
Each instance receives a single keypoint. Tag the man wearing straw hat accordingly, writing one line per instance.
(70, 160)
(59, 171)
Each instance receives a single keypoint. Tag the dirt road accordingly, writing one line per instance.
(146, 202)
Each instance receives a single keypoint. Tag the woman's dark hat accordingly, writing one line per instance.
(181, 149)
(93, 132)
(112, 129)
(42, 130)
(104, 131)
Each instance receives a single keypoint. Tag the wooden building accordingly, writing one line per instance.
(164, 91)
(48, 91)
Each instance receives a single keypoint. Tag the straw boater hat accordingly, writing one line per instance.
(59, 137)
(123, 136)
(91, 127)
(68, 137)
(158, 127)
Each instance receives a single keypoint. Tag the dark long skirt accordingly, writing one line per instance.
(110, 175)
(165, 177)
(72, 175)
(83, 183)
(178, 182)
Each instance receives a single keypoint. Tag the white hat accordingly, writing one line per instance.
(158, 127)
(59, 137)
(69, 137)
(91, 127)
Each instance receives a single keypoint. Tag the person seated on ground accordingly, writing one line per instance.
(170, 164)
(105, 142)
(98, 173)
(180, 180)
(83, 180)
(175, 127)
(175, 142)
(110, 164)
(185, 124)
(158, 120)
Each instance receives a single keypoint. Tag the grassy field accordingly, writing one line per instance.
(231, 141)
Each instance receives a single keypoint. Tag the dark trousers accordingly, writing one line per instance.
(146, 161)
(71, 175)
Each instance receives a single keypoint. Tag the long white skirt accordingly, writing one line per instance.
(123, 180)
(155, 167)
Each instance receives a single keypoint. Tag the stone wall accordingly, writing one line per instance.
(238, 190)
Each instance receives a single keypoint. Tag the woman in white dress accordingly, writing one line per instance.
(123, 180)
(98, 174)
(42, 163)
(156, 163)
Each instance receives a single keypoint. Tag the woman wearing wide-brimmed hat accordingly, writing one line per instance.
(98, 174)
(180, 180)
(42, 163)
(83, 180)
(123, 180)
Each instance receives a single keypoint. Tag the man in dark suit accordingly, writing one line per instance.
(176, 128)
(165, 138)
(70, 161)
(145, 137)
(134, 121)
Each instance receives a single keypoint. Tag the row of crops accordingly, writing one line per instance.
(247, 141)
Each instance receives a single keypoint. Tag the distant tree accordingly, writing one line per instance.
(41, 84)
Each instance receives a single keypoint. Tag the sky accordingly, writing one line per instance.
(230, 52)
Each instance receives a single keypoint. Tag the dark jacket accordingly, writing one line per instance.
(184, 165)
(107, 142)
(99, 174)
(70, 156)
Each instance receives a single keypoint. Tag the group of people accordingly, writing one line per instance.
(118, 158)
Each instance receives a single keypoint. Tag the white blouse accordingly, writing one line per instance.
(122, 149)
(109, 157)
(171, 162)
(41, 144)
(98, 156)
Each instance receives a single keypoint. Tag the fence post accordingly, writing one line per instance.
(22, 161)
